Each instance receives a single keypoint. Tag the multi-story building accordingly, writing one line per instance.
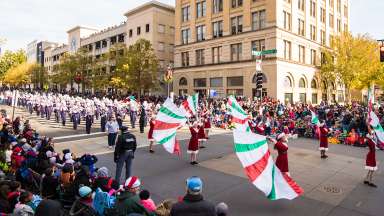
(153, 21)
(214, 40)
(35, 51)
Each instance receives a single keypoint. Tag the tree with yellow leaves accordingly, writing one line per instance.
(353, 60)
(19, 75)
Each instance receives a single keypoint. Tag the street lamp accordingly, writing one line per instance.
(168, 76)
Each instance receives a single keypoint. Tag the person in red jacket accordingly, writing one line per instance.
(193, 146)
(17, 158)
(150, 134)
(323, 140)
(370, 162)
(282, 149)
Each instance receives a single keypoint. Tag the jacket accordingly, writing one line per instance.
(193, 205)
(127, 203)
(125, 141)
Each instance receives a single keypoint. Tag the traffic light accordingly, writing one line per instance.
(259, 81)
(381, 53)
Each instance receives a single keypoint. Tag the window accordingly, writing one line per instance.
(322, 58)
(185, 13)
(288, 98)
(338, 25)
(200, 57)
(313, 84)
(217, 29)
(186, 36)
(313, 32)
(200, 33)
(301, 30)
(345, 11)
(237, 24)
(161, 46)
(287, 82)
(287, 50)
(201, 8)
(322, 37)
(161, 28)
(183, 81)
(237, 92)
(301, 83)
(301, 54)
(258, 20)
(217, 6)
(313, 57)
(301, 5)
(322, 15)
(303, 97)
(339, 6)
(236, 52)
(287, 21)
(216, 82)
(312, 9)
(258, 45)
(172, 30)
(185, 59)
(130, 32)
(138, 30)
(120, 38)
(331, 21)
(314, 98)
(201, 82)
(171, 48)
(237, 3)
(147, 28)
(235, 81)
(216, 54)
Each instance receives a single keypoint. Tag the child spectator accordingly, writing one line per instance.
(146, 201)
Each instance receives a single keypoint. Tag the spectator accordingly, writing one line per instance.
(83, 205)
(193, 203)
(128, 200)
(49, 184)
(104, 181)
(146, 201)
(22, 208)
(221, 209)
(49, 208)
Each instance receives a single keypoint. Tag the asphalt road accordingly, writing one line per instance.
(164, 176)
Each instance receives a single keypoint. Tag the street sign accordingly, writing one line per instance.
(258, 65)
(264, 52)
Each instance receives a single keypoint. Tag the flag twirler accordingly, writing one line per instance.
(189, 106)
(168, 120)
(253, 153)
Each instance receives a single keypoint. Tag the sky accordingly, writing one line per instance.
(22, 21)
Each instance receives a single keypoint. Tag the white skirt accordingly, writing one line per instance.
(371, 168)
(192, 152)
(322, 148)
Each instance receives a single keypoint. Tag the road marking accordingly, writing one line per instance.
(77, 136)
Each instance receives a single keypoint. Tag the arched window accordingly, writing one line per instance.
(324, 86)
(183, 81)
(313, 84)
(302, 83)
(333, 87)
(287, 82)
(255, 78)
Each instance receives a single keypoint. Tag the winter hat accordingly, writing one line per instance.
(194, 184)
(280, 136)
(23, 140)
(132, 182)
(222, 209)
(26, 147)
(49, 154)
(84, 191)
(52, 160)
(102, 172)
(65, 151)
(68, 156)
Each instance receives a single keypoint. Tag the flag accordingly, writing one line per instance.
(315, 119)
(168, 120)
(189, 106)
(212, 93)
(375, 123)
(239, 117)
(253, 153)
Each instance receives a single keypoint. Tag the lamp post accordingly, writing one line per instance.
(168, 77)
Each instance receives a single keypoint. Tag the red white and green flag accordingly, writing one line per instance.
(168, 120)
(189, 106)
(239, 117)
(315, 119)
(253, 153)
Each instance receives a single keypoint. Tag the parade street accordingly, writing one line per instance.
(333, 186)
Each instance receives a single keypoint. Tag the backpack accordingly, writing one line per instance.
(103, 201)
